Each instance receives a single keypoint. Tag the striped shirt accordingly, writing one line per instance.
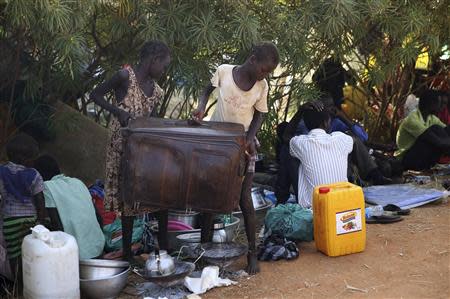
(323, 160)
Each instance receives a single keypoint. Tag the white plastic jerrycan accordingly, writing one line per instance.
(50, 265)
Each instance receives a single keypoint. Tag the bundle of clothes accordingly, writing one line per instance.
(284, 226)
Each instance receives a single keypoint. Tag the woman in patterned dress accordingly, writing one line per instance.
(136, 94)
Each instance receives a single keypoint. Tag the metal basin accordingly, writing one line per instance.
(230, 233)
(104, 288)
(188, 217)
(189, 239)
(260, 214)
(96, 268)
(230, 230)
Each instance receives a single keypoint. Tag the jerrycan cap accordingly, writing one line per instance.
(323, 190)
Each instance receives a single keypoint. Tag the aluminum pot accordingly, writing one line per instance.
(104, 288)
(97, 268)
(187, 217)
(189, 239)
(230, 229)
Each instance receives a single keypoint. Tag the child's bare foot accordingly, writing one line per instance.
(252, 264)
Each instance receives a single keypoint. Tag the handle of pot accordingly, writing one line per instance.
(200, 255)
(158, 258)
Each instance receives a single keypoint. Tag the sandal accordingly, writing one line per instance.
(397, 210)
(383, 219)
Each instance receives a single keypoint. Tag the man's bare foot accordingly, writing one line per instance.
(252, 264)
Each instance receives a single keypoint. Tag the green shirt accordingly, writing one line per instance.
(411, 128)
(75, 208)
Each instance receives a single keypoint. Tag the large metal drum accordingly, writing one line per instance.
(175, 164)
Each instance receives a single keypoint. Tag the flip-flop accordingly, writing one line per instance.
(383, 219)
(397, 209)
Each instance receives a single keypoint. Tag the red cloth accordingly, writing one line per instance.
(444, 160)
(444, 116)
(107, 217)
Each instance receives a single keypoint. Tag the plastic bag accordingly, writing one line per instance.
(290, 221)
(113, 234)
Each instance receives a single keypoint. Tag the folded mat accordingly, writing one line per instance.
(405, 196)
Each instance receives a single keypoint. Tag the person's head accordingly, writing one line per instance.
(155, 57)
(263, 59)
(329, 105)
(330, 78)
(317, 119)
(47, 166)
(22, 149)
(429, 102)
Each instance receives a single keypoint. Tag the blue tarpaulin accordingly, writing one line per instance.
(405, 196)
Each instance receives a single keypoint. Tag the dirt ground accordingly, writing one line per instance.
(408, 259)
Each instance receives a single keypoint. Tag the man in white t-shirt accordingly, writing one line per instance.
(243, 100)
(323, 157)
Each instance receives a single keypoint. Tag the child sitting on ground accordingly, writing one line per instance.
(21, 196)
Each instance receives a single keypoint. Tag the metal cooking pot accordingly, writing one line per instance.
(190, 218)
(97, 268)
(104, 288)
(160, 263)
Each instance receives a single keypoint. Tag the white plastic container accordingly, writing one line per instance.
(50, 265)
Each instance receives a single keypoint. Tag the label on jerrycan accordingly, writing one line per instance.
(348, 222)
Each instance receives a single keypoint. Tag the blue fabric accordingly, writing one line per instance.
(18, 182)
(405, 196)
(337, 125)
(97, 189)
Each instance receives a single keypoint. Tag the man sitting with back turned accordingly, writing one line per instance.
(323, 157)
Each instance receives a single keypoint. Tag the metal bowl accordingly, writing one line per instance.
(97, 269)
(104, 288)
(190, 218)
(189, 239)
(230, 230)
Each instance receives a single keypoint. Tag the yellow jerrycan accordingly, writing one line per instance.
(339, 219)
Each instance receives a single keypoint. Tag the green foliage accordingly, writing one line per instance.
(60, 49)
